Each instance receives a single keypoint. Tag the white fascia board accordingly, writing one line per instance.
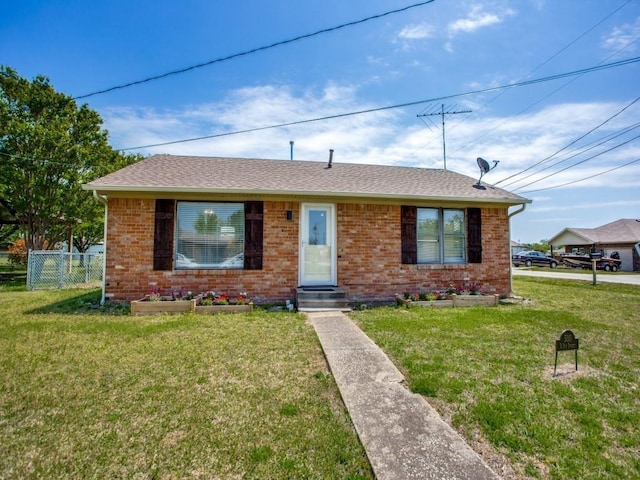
(104, 190)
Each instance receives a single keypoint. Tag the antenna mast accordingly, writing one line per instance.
(443, 113)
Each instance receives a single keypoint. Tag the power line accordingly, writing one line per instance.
(253, 50)
(565, 147)
(43, 161)
(619, 63)
(595, 144)
(575, 40)
(579, 163)
(585, 178)
(537, 102)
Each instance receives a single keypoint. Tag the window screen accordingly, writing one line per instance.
(209, 235)
(440, 235)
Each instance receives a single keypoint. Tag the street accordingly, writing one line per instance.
(630, 279)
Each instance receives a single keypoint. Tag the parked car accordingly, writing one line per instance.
(531, 257)
(183, 261)
(237, 261)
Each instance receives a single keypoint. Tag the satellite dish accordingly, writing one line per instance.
(484, 165)
(484, 168)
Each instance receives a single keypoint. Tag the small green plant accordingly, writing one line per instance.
(179, 295)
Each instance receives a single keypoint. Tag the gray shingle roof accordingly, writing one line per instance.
(625, 230)
(170, 173)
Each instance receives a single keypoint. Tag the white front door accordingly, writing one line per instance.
(317, 244)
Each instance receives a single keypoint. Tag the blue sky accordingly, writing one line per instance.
(447, 48)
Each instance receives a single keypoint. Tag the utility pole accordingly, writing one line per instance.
(443, 113)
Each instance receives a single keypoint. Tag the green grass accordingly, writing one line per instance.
(12, 277)
(94, 393)
(489, 372)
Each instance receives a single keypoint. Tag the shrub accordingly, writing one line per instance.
(18, 252)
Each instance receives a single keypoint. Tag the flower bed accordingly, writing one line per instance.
(466, 296)
(442, 302)
(153, 304)
(211, 302)
(178, 302)
(475, 300)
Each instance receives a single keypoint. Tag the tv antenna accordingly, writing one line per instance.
(442, 113)
(484, 167)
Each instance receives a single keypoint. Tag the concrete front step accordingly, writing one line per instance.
(321, 299)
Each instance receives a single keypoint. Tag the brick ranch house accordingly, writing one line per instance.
(266, 227)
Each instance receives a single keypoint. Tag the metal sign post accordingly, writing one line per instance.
(567, 341)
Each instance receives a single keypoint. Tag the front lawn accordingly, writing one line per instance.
(87, 393)
(489, 372)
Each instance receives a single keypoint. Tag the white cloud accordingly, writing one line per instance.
(353, 137)
(384, 137)
(623, 37)
(416, 32)
(477, 19)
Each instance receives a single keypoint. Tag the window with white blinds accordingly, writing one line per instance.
(209, 235)
(440, 235)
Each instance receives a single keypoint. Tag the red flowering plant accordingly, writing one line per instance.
(213, 298)
(154, 295)
(425, 296)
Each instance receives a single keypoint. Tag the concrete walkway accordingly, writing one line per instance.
(404, 437)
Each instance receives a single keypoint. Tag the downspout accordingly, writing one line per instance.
(512, 214)
(103, 200)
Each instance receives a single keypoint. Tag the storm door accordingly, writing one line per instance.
(317, 245)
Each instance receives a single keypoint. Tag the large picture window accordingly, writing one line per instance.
(440, 235)
(209, 235)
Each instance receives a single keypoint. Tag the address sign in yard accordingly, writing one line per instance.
(567, 341)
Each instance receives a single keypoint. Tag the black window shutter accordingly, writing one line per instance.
(163, 234)
(474, 235)
(253, 222)
(408, 220)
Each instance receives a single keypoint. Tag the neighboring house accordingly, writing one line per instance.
(517, 248)
(622, 236)
(266, 227)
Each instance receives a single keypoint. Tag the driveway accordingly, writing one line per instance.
(630, 279)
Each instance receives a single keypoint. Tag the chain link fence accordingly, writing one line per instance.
(47, 269)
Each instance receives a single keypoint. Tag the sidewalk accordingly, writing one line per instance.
(404, 437)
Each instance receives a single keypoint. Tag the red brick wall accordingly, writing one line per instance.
(369, 264)
(130, 273)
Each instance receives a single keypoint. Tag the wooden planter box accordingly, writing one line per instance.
(146, 307)
(247, 307)
(455, 301)
(433, 303)
(424, 303)
(475, 300)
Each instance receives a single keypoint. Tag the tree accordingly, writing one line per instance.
(8, 222)
(541, 246)
(207, 222)
(49, 147)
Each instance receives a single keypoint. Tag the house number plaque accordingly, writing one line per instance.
(567, 342)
